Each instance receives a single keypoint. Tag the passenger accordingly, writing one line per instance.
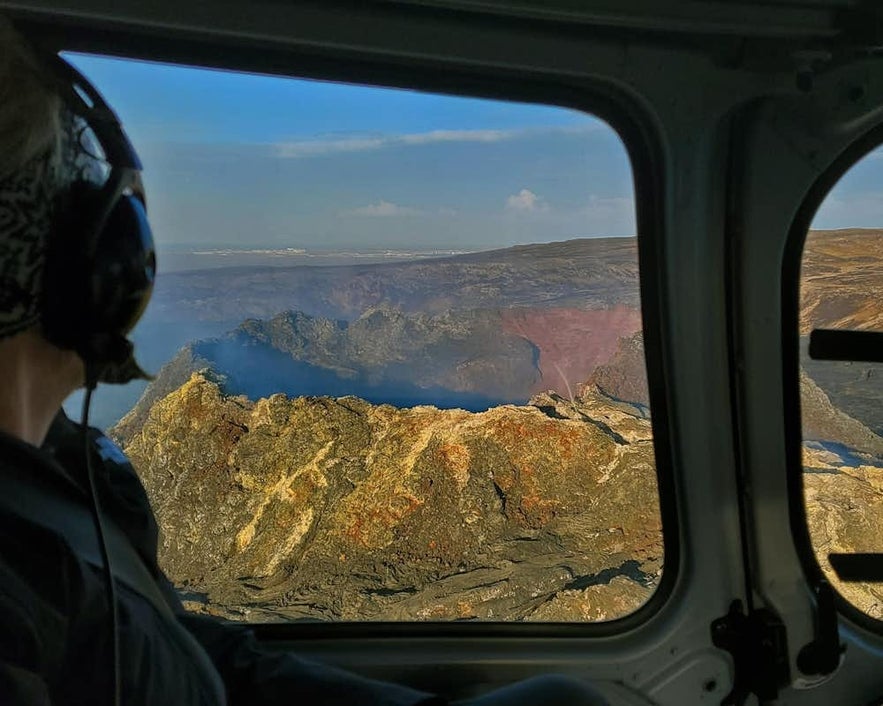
(75, 274)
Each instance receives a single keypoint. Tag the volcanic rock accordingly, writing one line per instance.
(844, 509)
(327, 508)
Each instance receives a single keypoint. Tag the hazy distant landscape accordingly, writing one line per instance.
(548, 297)
(179, 259)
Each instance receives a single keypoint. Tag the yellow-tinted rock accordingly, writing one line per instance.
(602, 602)
(338, 508)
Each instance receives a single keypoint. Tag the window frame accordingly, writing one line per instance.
(604, 100)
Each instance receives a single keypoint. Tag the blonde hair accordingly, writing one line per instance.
(30, 108)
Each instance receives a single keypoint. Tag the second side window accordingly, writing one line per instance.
(841, 290)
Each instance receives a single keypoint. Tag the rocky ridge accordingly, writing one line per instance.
(338, 509)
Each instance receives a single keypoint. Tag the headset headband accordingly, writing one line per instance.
(84, 100)
(100, 263)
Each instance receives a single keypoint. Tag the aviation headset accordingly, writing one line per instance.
(100, 258)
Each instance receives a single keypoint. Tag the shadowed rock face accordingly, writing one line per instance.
(323, 508)
(822, 421)
(855, 388)
(459, 358)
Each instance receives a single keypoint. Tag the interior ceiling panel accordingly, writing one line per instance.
(765, 35)
(760, 17)
(757, 18)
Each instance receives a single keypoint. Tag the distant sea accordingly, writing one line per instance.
(177, 260)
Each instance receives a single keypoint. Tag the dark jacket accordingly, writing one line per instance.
(55, 640)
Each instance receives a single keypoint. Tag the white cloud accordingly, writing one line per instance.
(300, 149)
(382, 209)
(525, 200)
(316, 148)
(426, 138)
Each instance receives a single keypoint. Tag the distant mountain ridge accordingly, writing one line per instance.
(547, 287)
(591, 273)
(543, 284)
(580, 273)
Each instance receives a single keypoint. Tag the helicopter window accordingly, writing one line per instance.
(398, 350)
(841, 385)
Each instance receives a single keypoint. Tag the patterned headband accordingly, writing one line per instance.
(28, 200)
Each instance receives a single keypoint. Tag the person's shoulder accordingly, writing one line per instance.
(33, 637)
(42, 590)
(39, 566)
(122, 495)
(37, 562)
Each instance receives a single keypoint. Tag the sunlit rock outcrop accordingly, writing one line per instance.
(336, 508)
(844, 506)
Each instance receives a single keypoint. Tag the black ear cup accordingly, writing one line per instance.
(123, 269)
(67, 274)
(96, 285)
(100, 264)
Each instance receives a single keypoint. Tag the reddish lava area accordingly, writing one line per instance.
(572, 342)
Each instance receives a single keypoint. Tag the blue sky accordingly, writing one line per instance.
(239, 160)
(248, 161)
(159, 102)
(857, 199)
